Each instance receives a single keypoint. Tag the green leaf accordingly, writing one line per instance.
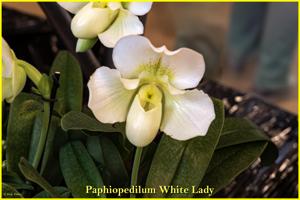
(33, 175)
(54, 127)
(107, 155)
(184, 163)
(15, 181)
(79, 170)
(80, 121)
(62, 191)
(70, 91)
(23, 112)
(10, 192)
(35, 137)
(239, 131)
(83, 45)
(240, 144)
(229, 162)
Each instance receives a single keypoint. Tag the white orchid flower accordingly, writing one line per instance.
(13, 76)
(109, 21)
(148, 91)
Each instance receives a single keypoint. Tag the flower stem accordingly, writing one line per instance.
(135, 168)
(43, 136)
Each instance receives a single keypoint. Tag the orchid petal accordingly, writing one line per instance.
(91, 21)
(8, 60)
(131, 52)
(139, 8)
(6, 88)
(109, 100)
(125, 24)
(18, 81)
(72, 7)
(187, 67)
(114, 5)
(187, 115)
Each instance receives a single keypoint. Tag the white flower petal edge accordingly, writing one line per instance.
(72, 7)
(90, 21)
(187, 66)
(108, 99)
(132, 51)
(8, 61)
(125, 24)
(139, 8)
(187, 115)
(142, 126)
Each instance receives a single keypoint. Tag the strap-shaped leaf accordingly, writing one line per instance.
(54, 127)
(104, 152)
(23, 112)
(33, 175)
(229, 162)
(70, 91)
(239, 130)
(80, 121)
(184, 163)
(79, 170)
(240, 144)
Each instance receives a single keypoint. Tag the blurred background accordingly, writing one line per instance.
(251, 47)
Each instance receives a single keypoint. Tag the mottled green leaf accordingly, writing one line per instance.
(80, 121)
(33, 175)
(21, 121)
(239, 131)
(229, 162)
(184, 163)
(79, 170)
(104, 152)
(70, 91)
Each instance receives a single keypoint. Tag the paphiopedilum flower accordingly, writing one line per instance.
(13, 76)
(148, 90)
(109, 21)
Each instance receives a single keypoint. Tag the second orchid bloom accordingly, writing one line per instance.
(148, 90)
(109, 21)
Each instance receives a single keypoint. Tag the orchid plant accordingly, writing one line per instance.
(150, 106)
(108, 21)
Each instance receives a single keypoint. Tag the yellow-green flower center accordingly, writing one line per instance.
(156, 70)
(150, 96)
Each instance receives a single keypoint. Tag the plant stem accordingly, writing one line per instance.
(135, 168)
(43, 136)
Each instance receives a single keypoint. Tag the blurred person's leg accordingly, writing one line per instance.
(247, 21)
(277, 47)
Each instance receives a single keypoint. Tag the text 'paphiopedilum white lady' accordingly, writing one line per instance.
(148, 91)
(109, 21)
